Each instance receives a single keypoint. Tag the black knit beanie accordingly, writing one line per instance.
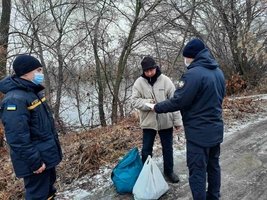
(148, 63)
(24, 64)
(193, 47)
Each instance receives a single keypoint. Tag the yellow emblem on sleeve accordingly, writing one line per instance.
(36, 103)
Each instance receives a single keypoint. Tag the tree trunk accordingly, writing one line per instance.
(122, 63)
(59, 88)
(231, 23)
(99, 76)
(4, 29)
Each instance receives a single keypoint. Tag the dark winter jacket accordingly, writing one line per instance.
(199, 97)
(29, 126)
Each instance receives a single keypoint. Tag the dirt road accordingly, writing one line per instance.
(244, 164)
(244, 167)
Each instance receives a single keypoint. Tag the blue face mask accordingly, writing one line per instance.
(38, 78)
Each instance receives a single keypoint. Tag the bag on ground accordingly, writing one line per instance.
(150, 183)
(126, 172)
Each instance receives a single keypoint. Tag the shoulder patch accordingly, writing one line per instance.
(180, 84)
(11, 107)
(36, 103)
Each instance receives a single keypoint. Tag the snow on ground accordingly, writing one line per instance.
(99, 181)
(236, 126)
(258, 96)
(102, 179)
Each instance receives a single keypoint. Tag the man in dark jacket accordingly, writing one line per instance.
(29, 128)
(199, 97)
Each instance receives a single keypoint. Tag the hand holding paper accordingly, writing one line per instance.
(150, 105)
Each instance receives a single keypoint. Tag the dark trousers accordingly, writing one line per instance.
(40, 186)
(166, 143)
(203, 165)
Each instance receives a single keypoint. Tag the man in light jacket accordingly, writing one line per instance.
(154, 87)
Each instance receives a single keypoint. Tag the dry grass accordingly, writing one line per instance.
(85, 152)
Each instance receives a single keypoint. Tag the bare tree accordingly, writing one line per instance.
(4, 30)
(60, 17)
(242, 21)
(95, 35)
(125, 52)
(47, 32)
(233, 30)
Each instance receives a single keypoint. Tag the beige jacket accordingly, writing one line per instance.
(143, 92)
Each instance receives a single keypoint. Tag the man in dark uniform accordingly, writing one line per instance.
(199, 97)
(29, 128)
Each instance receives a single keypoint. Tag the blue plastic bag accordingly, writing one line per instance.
(126, 172)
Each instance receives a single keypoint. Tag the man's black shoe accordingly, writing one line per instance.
(173, 178)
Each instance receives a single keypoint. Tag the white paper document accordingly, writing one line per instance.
(150, 105)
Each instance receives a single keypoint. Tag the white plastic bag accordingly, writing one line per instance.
(150, 183)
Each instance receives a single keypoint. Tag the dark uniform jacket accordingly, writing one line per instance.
(199, 97)
(29, 126)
